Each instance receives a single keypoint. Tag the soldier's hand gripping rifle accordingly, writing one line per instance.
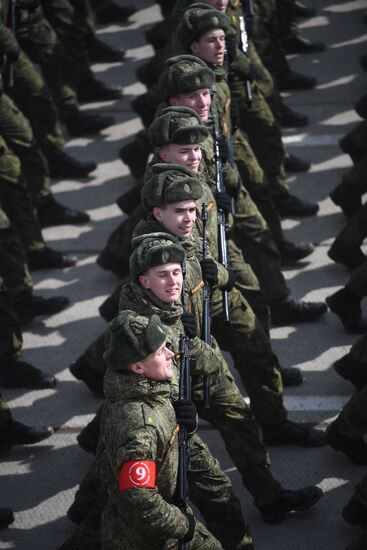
(245, 16)
(206, 305)
(222, 241)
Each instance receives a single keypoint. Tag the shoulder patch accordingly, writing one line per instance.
(148, 415)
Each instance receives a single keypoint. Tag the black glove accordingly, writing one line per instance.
(210, 270)
(189, 323)
(191, 519)
(186, 414)
(223, 148)
(223, 201)
(231, 280)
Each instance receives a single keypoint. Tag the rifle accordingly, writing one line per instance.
(222, 242)
(183, 442)
(206, 307)
(245, 16)
(12, 26)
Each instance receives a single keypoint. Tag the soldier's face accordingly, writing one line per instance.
(164, 281)
(178, 217)
(184, 155)
(199, 100)
(220, 5)
(157, 365)
(210, 47)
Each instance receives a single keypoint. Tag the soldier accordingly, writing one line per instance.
(139, 436)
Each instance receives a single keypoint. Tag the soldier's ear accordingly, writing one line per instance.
(137, 368)
(157, 213)
(144, 281)
(194, 47)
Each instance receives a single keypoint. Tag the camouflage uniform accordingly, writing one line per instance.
(10, 339)
(140, 424)
(13, 264)
(358, 281)
(228, 412)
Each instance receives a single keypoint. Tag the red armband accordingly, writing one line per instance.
(138, 474)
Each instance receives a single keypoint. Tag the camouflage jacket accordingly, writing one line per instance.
(139, 424)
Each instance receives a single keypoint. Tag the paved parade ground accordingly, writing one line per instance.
(38, 482)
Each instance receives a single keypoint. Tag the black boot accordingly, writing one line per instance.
(91, 378)
(347, 145)
(88, 437)
(361, 107)
(110, 263)
(290, 205)
(291, 252)
(129, 201)
(15, 433)
(351, 259)
(347, 198)
(100, 52)
(295, 164)
(354, 449)
(52, 213)
(135, 157)
(298, 44)
(296, 81)
(294, 311)
(145, 106)
(347, 369)
(46, 258)
(291, 119)
(80, 123)
(15, 373)
(109, 309)
(291, 377)
(34, 306)
(94, 90)
(291, 433)
(355, 513)
(347, 306)
(66, 166)
(304, 11)
(291, 501)
(115, 14)
(6, 517)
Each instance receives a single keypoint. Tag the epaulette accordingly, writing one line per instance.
(148, 415)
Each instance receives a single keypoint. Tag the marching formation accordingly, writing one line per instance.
(199, 258)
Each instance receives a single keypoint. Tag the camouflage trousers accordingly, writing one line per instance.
(13, 263)
(265, 138)
(352, 420)
(359, 544)
(39, 40)
(358, 137)
(18, 135)
(353, 233)
(15, 197)
(71, 28)
(358, 281)
(33, 98)
(10, 341)
(287, 18)
(253, 357)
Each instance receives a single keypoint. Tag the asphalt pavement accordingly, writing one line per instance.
(39, 481)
